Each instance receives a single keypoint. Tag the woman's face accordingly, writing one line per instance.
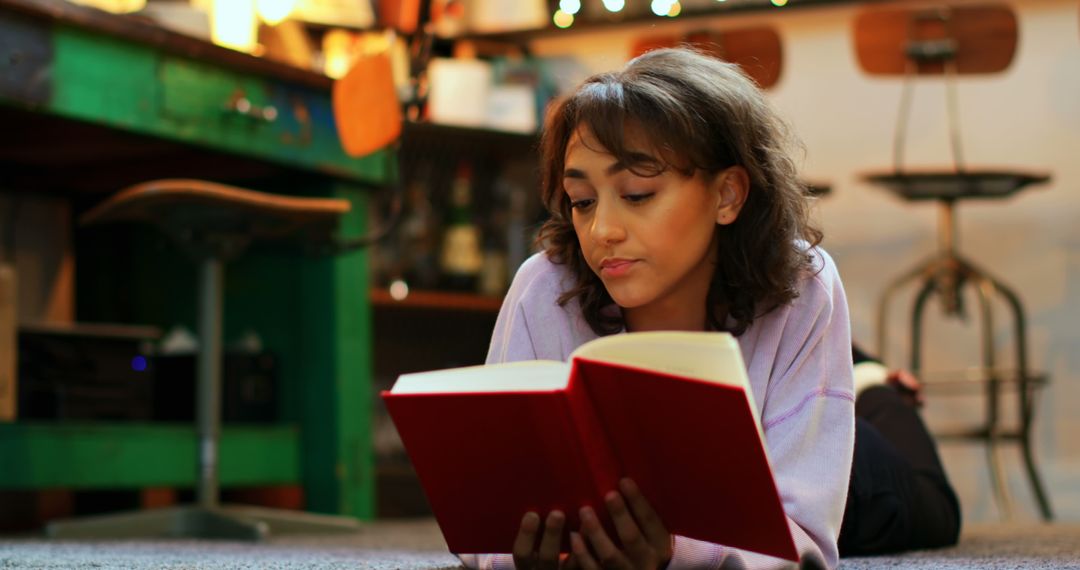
(649, 239)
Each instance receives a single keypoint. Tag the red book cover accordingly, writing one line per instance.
(487, 456)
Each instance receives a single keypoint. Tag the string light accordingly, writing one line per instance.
(563, 19)
(614, 5)
(564, 16)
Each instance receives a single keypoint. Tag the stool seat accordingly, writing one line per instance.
(215, 222)
(951, 185)
(199, 210)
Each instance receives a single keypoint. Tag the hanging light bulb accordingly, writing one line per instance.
(570, 7)
(614, 5)
(273, 12)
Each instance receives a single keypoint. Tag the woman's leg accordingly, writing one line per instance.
(899, 497)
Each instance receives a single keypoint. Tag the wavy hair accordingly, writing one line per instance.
(701, 114)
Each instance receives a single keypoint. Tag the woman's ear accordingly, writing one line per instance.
(732, 185)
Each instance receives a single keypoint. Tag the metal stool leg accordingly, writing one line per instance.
(1027, 405)
(886, 298)
(984, 293)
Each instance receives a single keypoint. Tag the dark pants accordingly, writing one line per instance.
(899, 498)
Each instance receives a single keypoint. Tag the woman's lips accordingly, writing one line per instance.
(616, 267)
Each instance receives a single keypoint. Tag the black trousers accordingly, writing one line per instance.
(899, 497)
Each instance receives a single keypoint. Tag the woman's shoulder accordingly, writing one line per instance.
(540, 279)
(820, 272)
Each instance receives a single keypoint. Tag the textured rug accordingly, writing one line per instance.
(418, 545)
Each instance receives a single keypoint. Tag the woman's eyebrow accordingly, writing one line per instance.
(615, 168)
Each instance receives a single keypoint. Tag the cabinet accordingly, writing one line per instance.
(115, 101)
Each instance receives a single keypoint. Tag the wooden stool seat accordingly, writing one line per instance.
(198, 211)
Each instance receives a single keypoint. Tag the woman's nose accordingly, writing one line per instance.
(607, 226)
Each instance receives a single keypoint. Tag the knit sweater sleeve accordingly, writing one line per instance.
(808, 417)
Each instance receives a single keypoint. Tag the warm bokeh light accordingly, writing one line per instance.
(273, 12)
(114, 6)
(233, 24)
(399, 290)
(563, 19)
(570, 6)
(779, 2)
(675, 10)
(338, 52)
(614, 5)
(661, 7)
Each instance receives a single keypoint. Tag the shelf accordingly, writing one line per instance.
(469, 141)
(115, 455)
(585, 25)
(439, 300)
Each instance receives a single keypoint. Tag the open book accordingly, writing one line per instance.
(671, 410)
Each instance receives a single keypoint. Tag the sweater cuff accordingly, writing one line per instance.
(869, 374)
(487, 561)
(690, 554)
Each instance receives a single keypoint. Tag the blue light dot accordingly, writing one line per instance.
(138, 363)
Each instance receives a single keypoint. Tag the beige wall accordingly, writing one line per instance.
(1027, 117)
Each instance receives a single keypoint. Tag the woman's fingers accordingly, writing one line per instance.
(550, 542)
(580, 553)
(607, 554)
(627, 528)
(526, 540)
(648, 521)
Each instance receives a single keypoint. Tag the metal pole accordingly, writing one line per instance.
(209, 379)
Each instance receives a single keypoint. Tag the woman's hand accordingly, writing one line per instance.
(547, 556)
(907, 383)
(646, 543)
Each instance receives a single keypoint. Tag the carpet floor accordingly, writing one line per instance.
(418, 545)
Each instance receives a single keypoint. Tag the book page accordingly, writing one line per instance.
(709, 356)
(530, 376)
(714, 357)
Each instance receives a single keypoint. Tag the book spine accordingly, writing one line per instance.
(604, 467)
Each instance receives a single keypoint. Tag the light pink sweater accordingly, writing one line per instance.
(799, 361)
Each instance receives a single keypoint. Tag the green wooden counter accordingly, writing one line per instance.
(92, 102)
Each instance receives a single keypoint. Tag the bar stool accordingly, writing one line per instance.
(952, 41)
(213, 223)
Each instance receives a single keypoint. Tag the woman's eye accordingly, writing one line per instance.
(581, 204)
(639, 197)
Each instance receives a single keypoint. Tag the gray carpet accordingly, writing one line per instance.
(418, 545)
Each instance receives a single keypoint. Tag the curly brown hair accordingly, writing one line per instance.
(701, 114)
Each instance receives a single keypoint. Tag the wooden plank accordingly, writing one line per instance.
(128, 87)
(338, 462)
(117, 455)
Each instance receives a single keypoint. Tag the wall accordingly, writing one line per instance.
(1026, 117)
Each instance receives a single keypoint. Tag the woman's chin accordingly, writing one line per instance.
(627, 299)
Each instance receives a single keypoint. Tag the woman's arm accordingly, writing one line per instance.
(808, 419)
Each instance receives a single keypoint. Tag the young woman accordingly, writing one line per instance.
(675, 205)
